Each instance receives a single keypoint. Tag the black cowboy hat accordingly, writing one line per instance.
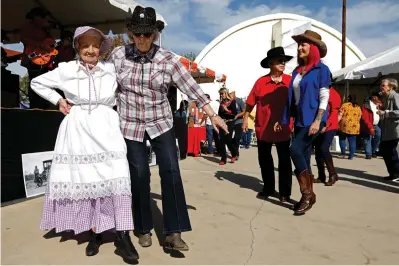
(144, 20)
(37, 12)
(277, 52)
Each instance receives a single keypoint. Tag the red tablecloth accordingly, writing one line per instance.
(195, 136)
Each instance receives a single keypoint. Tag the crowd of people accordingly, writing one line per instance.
(100, 176)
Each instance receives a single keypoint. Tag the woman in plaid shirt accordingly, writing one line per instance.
(145, 72)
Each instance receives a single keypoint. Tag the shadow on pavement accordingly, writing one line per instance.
(252, 183)
(366, 178)
(110, 236)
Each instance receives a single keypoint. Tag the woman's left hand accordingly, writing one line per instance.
(217, 122)
(314, 128)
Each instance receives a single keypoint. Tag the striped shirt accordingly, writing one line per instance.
(144, 81)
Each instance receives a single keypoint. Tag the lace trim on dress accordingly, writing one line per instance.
(94, 190)
(89, 158)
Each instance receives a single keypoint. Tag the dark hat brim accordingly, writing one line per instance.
(142, 28)
(265, 62)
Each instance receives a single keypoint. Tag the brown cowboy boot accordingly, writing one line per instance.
(333, 177)
(308, 198)
(322, 174)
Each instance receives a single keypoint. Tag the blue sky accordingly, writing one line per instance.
(192, 24)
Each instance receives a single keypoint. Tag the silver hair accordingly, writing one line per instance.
(393, 83)
(130, 35)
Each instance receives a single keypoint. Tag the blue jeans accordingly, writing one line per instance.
(308, 156)
(174, 207)
(246, 138)
(372, 143)
(299, 149)
(209, 137)
(352, 144)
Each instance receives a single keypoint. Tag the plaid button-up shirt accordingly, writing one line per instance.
(144, 81)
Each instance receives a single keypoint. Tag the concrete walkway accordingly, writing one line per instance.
(354, 222)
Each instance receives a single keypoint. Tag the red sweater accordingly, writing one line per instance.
(334, 103)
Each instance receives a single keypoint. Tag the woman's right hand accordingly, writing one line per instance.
(64, 106)
(277, 127)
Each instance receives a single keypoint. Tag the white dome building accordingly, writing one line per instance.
(237, 52)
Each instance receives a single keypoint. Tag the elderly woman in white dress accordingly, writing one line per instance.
(89, 187)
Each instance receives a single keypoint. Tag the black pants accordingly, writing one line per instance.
(227, 139)
(181, 128)
(174, 207)
(237, 137)
(267, 167)
(389, 152)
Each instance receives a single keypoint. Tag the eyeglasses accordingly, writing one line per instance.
(145, 34)
(281, 61)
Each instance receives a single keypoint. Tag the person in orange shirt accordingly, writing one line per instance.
(270, 94)
(349, 125)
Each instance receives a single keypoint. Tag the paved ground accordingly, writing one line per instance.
(354, 222)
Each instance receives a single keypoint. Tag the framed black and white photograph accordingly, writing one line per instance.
(36, 169)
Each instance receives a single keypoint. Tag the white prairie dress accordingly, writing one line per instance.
(89, 183)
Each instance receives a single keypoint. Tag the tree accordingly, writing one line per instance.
(116, 41)
(190, 56)
(23, 89)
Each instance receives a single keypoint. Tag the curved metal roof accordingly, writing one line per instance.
(277, 17)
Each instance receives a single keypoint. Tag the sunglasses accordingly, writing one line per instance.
(281, 61)
(145, 34)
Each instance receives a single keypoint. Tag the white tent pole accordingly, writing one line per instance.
(160, 39)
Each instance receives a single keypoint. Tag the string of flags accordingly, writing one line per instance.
(194, 67)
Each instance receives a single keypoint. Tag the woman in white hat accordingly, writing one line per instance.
(89, 187)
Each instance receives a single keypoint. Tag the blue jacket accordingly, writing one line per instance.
(305, 113)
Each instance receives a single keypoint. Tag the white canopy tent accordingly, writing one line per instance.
(384, 63)
(105, 15)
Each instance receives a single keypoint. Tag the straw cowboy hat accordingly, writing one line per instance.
(277, 52)
(144, 20)
(313, 37)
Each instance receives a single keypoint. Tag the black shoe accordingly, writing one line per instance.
(374, 155)
(93, 247)
(265, 195)
(125, 247)
(368, 157)
(391, 177)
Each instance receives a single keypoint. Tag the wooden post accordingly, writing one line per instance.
(343, 58)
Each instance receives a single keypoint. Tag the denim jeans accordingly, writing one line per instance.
(246, 138)
(308, 157)
(209, 137)
(352, 144)
(390, 154)
(299, 149)
(267, 167)
(372, 143)
(174, 207)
